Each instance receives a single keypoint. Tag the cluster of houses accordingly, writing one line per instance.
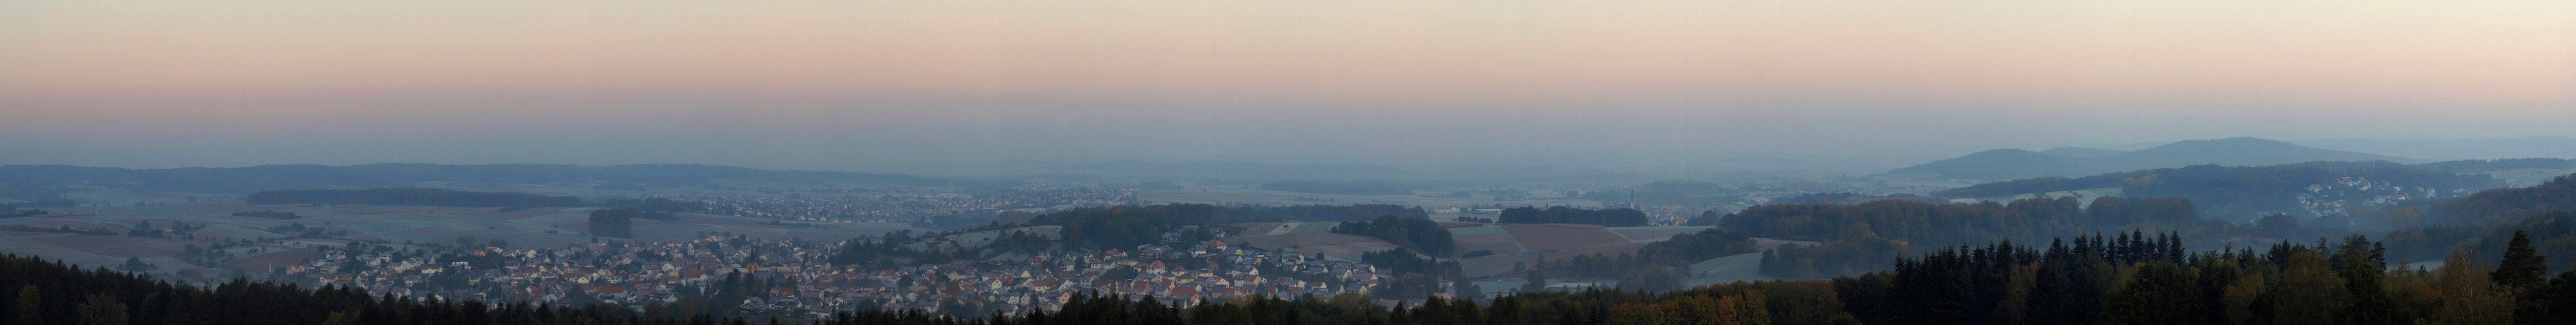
(2333, 198)
(796, 278)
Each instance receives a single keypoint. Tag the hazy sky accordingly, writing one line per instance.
(832, 84)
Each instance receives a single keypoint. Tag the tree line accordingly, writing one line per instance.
(1354, 212)
(45, 292)
(617, 223)
(1853, 239)
(411, 196)
(1342, 188)
(1420, 234)
(1621, 217)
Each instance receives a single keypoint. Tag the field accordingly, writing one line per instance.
(397, 224)
(2085, 195)
(1511, 243)
(1655, 233)
(1740, 267)
(1549, 238)
(2528, 177)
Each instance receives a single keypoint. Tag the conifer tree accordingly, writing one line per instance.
(2523, 268)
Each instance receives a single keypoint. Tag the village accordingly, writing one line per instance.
(792, 277)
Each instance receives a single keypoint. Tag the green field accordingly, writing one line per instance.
(1655, 233)
(1739, 267)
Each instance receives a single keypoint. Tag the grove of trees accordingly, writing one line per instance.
(619, 223)
(1420, 234)
(1622, 217)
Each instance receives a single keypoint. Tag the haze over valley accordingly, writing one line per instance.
(1321, 162)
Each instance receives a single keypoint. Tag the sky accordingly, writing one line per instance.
(840, 85)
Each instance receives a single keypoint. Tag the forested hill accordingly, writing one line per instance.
(412, 196)
(2484, 221)
(2016, 163)
(2241, 192)
(241, 180)
(1869, 236)
(2481, 166)
(41, 292)
(1231, 169)
(1621, 217)
(2507, 203)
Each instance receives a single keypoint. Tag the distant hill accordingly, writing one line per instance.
(2005, 164)
(2532, 147)
(2016, 163)
(2482, 166)
(2081, 152)
(242, 180)
(1230, 169)
(2242, 191)
(412, 197)
(1341, 188)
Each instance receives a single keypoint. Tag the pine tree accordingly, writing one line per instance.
(2522, 274)
(2523, 268)
(31, 305)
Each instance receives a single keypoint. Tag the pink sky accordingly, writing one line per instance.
(121, 72)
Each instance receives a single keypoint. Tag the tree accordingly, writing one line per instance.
(2310, 293)
(135, 264)
(102, 310)
(2467, 296)
(2522, 272)
(1537, 281)
(1636, 314)
(1420, 234)
(2160, 293)
(31, 305)
(617, 223)
(1466, 288)
(2558, 298)
(1752, 308)
(2280, 225)
(2523, 268)
(2238, 299)
(345, 317)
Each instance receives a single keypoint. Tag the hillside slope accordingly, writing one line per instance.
(2015, 163)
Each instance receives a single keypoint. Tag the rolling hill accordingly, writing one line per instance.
(1230, 169)
(2016, 163)
(2246, 191)
(2531, 147)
